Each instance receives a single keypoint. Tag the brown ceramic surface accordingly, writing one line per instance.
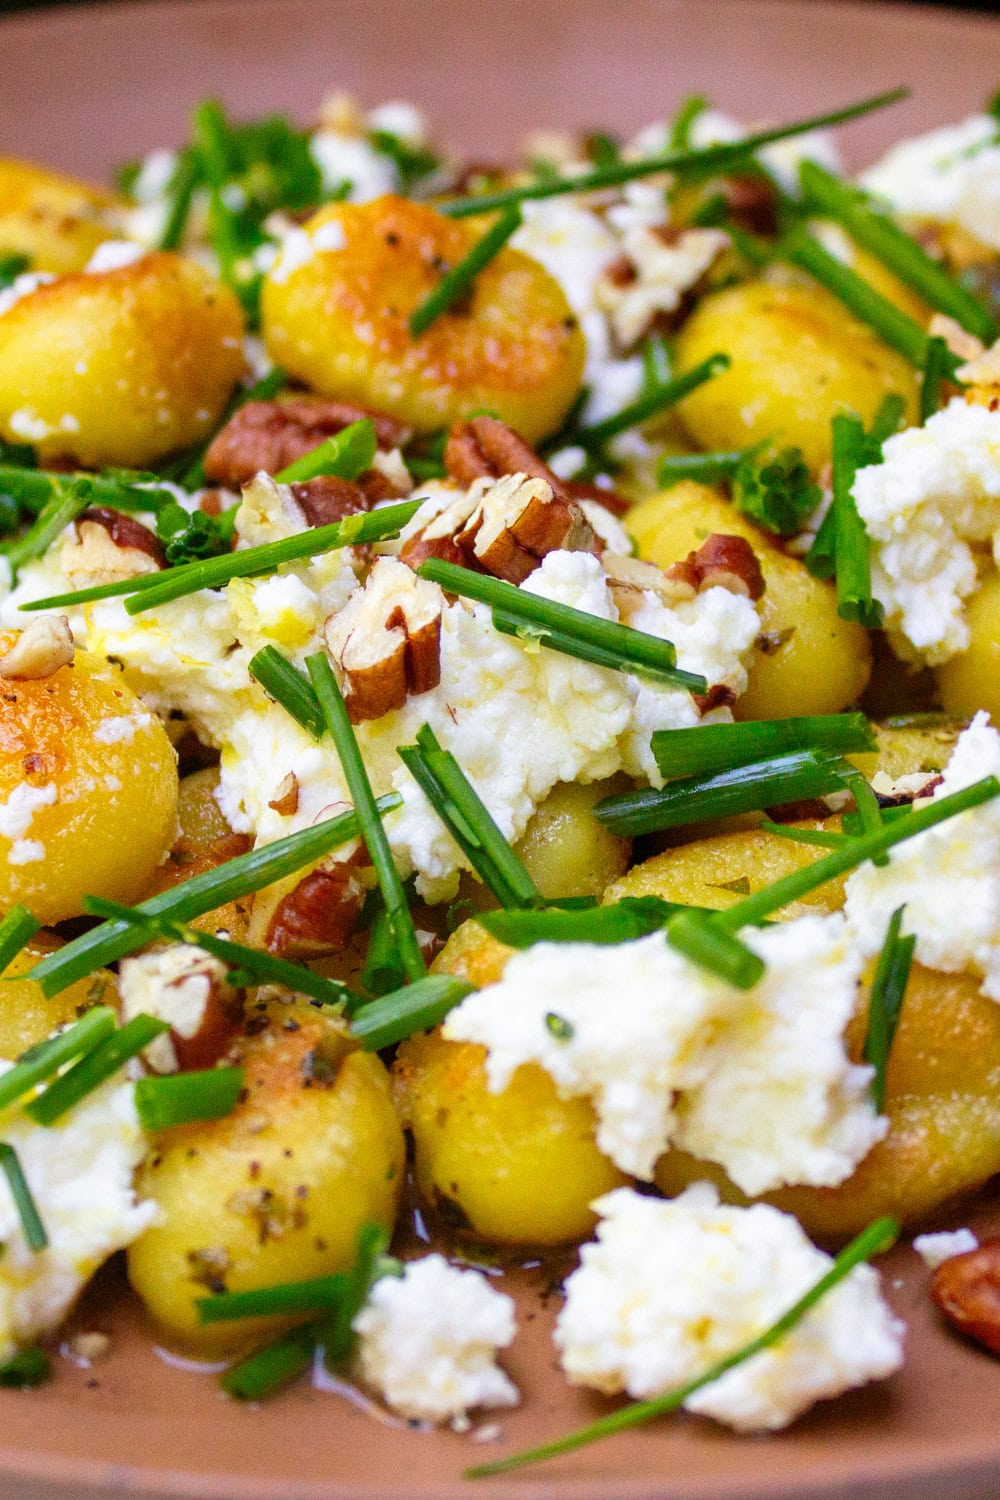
(84, 89)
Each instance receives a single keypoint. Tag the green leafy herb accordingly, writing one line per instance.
(418, 1006)
(820, 838)
(58, 513)
(680, 129)
(707, 748)
(180, 195)
(16, 931)
(267, 1370)
(383, 970)
(559, 1027)
(619, 922)
(93, 1068)
(821, 557)
(874, 1240)
(886, 1002)
(775, 490)
(182, 1098)
(27, 1210)
(348, 455)
(457, 282)
(287, 1299)
(11, 267)
(28, 1367)
(413, 163)
(188, 536)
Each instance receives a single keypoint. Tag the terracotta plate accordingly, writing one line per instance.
(85, 89)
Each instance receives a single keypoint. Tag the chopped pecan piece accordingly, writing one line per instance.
(188, 990)
(327, 499)
(964, 344)
(729, 562)
(752, 203)
(286, 798)
(967, 1290)
(44, 645)
(105, 546)
(318, 916)
(629, 578)
(517, 522)
(485, 448)
(270, 435)
(718, 696)
(387, 640)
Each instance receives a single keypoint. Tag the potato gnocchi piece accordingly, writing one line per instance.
(122, 366)
(27, 1016)
(971, 680)
(54, 221)
(335, 311)
(278, 1190)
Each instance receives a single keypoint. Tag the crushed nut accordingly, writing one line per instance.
(387, 640)
(43, 646)
(485, 448)
(966, 1288)
(629, 578)
(187, 989)
(320, 913)
(286, 799)
(665, 265)
(964, 344)
(270, 435)
(727, 562)
(106, 547)
(517, 522)
(327, 499)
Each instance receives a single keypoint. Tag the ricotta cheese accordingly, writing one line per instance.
(935, 1249)
(948, 878)
(933, 499)
(669, 1288)
(951, 175)
(428, 1341)
(758, 1081)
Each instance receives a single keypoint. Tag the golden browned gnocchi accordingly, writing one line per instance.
(339, 321)
(119, 366)
(54, 222)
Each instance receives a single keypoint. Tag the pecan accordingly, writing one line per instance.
(286, 799)
(106, 547)
(387, 640)
(728, 562)
(582, 489)
(486, 448)
(964, 344)
(270, 435)
(966, 1288)
(44, 645)
(718, 696)
(327, 499)
(188, 990)
(517, 522)
(752, 203)
(629, 578)
(320, 913)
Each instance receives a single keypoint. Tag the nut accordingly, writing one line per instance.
(188, 990)
(517, 522)
(387, 640)
(106, 547)
(286, 799)
(44, 645)
(964, 344)
(727, 562)
(629, 578)
(270, 435)
(966, 1288)
(486, 448)
(327, 499)
(320, 913)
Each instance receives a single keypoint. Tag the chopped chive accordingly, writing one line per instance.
(284, 1300)
(657, 364)
(416, 1007)
(886, 420)
(93, 1068)
(821, 557)
(183, 1098)
(680, 129)
(287, 686)
(267, 1370)
(46, 1058)
(27, 1210)
(383, 970)
(709, 161)
(620, 922)
(331, 701)
(16, 931)
(886, 1002)
(753, 909)
(457, 282)
(851, 822)
(896, 328)
(650, 404)
(28, 1367)
(90, 595)
(570, 630)
(180, 192)
(559, 1027)
(254, 964)
(468, 820)
(338, 1336)
(347, 455)
(935, 374)
(704, 468)
(820, 838)
(715, 747)
(193, 898)
(33, 488)
(794, 776)
(852, 548)
(858, 213)
(874, 1240)
(710, 947)
(56, 514)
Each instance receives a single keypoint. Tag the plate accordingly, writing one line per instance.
(84, 89)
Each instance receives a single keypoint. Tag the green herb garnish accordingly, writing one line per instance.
(649, 404)
(704, 468)
(16, 931)
(418, 1006)
(190, 535)
(183, 1098)
(347, 455)
(28, 1367)
(93, 1068)
(619, 922)
(27, 1210)
(456, 283)
(776, 490)
(287, 686)
(43, 1060)
(886, 1002)
(935, 374)
(852, 549)
(708, 748)
(11, 267)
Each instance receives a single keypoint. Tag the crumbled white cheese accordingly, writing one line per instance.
(428, 1341)
(948, 877)
(935, 1249)
(175, 984)
(352, 159)
(950, 175)
(669, 1288)
(20, 806)
(758, 1081)
(113, 255)
(23, 286)
(664, 272)
(121, 729)
(397, 117)
(936, 492)
(80, 1174)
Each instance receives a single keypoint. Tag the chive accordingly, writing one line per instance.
(370, 1263)
(852, 548)
(347, 455)
(182, 1098)
(267, 1370)
(650, 404)
(820, 838)
(709, 160)
(56, 514)
(857, 212)
(711, 948)
(886, 420)
(287, 686)
(285, 1300)
(331, 701)
(11, 267)
(657, 365)
(33, 488)
(203, 893)
(753, 909)
(896, 328)
(468, 820)
(570, 630)
(416, 1007)
(253, 964)
(46, 1058)
(180, 192)
(794, 776)
(851, 822)
(383, 970)
(27, 1210)
(935, 373)
(457, 282)
(715, 747)
(620, 922)
(888, 989)
(93, 1068)
(680, 130)
(704, 468)
(28, 1367)
(874, 1240)
(97, 591)
(821, 557)
(16, 931)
